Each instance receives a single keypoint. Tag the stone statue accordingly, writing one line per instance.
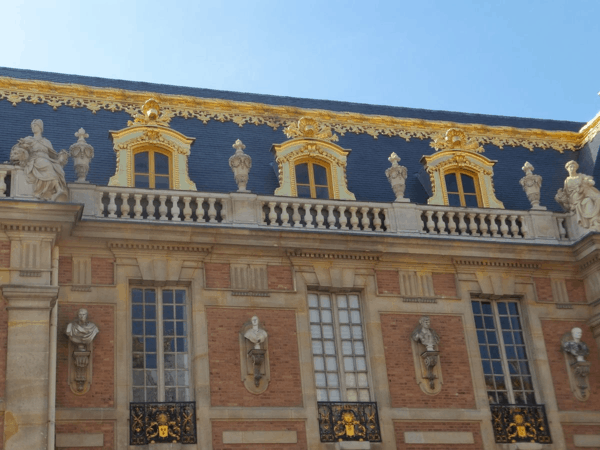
(81, 332)
(571, 343)
(240, 164)
(425, 335)
(82, 153)
(531, 185)
(43, 167)
(396, 175)
(255, 334)
(580, 195)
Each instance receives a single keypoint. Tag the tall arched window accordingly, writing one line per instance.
(152, 169)
(312, 180)
(462, 189)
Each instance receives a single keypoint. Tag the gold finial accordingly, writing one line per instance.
(456, 139)
(152, 115)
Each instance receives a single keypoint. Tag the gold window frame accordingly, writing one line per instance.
(457, 172)
(312, 185)
(152, 165)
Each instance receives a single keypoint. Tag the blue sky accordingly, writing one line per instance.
(525, 58)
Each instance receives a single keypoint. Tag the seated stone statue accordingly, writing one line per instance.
(572, 344)
(80, 331)
(255, 334)
(43, 167)
(580, 196)
(425, 335)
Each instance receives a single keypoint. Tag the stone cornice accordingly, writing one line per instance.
(204, 109)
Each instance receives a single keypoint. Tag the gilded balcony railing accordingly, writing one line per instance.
(520, 423)
(348, 421)
(161, 423)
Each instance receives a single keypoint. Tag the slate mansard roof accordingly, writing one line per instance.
(208, 162)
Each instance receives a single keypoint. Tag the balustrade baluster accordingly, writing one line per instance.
(377, 219)
(473, 228)
(365, 221)
(561, 227)
(430, 223)
(272, 214)
(150, 209)
(187, 211)
(320, 218)
(162, 209)
(308, 218)
(125, 206)
(462, 225)
(223, 211)
(285, 217)
(386, 219)
(100, 204)
(524, 228)
(483, 226)
(503, 225)
(296, 215)
(175, 210)
(514, 228)
(353, 218)
(200, 209)
(212, 212)
(343, 218)
(493, 225)
(137, 208)
(441, 226)
(112, 206)
(451, 223)
(331, 217)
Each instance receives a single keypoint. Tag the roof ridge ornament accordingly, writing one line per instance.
(455, 139)
(308, 127)
(151, 115)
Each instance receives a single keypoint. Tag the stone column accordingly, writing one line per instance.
(28, 350)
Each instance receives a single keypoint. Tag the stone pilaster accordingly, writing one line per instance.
(28, 351)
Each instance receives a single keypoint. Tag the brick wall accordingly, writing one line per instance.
(103, 271)
(101, 393)
(387, 282)
(570, 430)
(457, 390)
(473, 427)
(553, 332)
(226, 387)
(444, 284)
(4, 253)
(217, 276)
(264, 425)
(65, 270)
(543, 288)
(280, 278)
(106, 427)
(575, 290)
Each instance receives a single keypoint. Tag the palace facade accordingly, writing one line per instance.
(193, 269)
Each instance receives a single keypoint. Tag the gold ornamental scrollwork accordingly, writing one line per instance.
(205, 109)
(309, 128)
(456, 139)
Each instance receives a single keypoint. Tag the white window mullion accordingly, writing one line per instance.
(160, 364)
(504, 361)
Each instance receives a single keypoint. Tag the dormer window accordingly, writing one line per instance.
(459, 175)
(152, 169)
(310, 164)
(312, 180)
(151, 155)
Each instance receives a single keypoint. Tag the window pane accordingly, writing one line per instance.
(141, 162)
(319, 363)
(471, 201)
(313, 301)
(303, 191)
(322, 192)
(320, 175)
(142, 181)
(451, 184)
(325, 301)
(161, 182)
(161, 164)
(454, 200)
(468, 183)
(328, 331)
(315, 331)
(302, 174)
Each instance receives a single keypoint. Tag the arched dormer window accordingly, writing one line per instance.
(459, 175)
(152, 169)
(150, 154)
(310, 164)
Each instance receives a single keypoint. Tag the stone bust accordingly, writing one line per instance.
(572, 344)
(256, 335)
(81, 332)
(425, 335)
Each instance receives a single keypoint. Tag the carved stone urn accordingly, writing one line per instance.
(82, 153)
(396, 175)
(240, 164)
(531, 185)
